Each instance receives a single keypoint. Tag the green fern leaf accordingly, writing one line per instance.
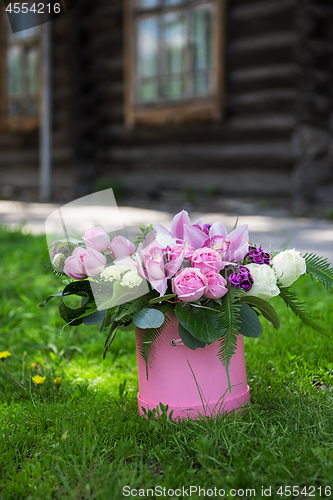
(319, 269)
(229, 321)
(299, 308)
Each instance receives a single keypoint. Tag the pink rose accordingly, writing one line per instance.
(121, 247)
(83, 263)
(190, 284)
(177, 250)
(96, 238)
(207, 259)
(216, 285)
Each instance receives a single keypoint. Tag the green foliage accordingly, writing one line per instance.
(204, 322)
(319, 269)
(264, 307)
(189, 340)
(144, 230)
(124, 312)
(249, 324)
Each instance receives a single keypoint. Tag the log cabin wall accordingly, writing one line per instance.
(312, 138)
(274, 138)
(249, 151)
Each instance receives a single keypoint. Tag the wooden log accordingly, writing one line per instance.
(269, 155)
(263, 17)
(264, 77)
(265, 101)
(238, 129)
(262, 50)
(255, 181)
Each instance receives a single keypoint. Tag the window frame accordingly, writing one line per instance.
(195, 109)
(15, 123)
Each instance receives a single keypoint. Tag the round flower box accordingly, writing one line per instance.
(190, 382)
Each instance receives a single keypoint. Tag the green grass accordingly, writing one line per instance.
(85, 439)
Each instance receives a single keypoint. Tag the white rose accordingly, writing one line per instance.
(288, 266)
(264, 281)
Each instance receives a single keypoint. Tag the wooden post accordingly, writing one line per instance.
(45, 115)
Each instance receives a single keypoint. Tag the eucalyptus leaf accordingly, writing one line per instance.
(264, 307)
(148, 318)
(250, 325)
(188, 339)
(203, 323)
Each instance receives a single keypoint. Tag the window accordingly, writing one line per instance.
(20, 76)
(174, 60)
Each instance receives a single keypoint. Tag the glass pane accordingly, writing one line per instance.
(32, 71)
(148, 91)
(175, 39)
(148, 4)
(174, 87)
(201, 38)
(201, 83)
(14, 66)
(172, 2)
(148, 47)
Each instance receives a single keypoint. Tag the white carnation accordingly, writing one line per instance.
(264, 281)
(115, 272)
(288, 266)
(131, 279)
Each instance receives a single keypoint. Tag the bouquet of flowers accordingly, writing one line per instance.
(216, 284)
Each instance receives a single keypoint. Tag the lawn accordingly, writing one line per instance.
(81, 437)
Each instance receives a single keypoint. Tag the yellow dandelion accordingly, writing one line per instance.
(4, 354)
(38, 380)
(34, 364)
(57, 381)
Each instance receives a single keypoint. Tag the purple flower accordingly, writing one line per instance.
(258, 256)
(241, 278)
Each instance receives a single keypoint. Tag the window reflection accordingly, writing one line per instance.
(202, 48)
(175, 39)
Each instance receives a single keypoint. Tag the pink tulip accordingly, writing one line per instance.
(216, 285)
(190, 284)
(96, 238)
(94, 263)
(121, 247)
